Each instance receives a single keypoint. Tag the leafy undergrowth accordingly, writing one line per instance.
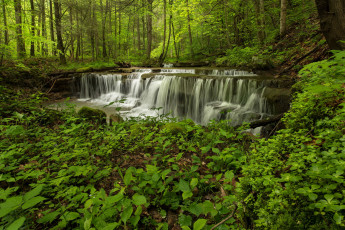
(59, 171)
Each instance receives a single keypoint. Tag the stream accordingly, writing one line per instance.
(200, 94)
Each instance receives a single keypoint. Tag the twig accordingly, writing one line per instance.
(51, 87)
(226, 219)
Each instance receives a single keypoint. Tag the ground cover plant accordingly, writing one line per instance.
(61, 171)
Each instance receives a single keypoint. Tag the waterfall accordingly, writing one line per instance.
(200, 99)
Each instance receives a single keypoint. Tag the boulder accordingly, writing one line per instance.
(93, 115)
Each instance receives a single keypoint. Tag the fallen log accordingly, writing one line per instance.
(85, 70)
(266, 121)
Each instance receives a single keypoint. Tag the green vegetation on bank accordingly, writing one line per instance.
(61, 171)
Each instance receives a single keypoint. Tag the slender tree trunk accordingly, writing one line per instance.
(77, 52)
(165, 29)
(138, 32)
(104, 45)
(51, 21)
(119, 34)
(283, 12)
(190, 31)
(149, 29)
(115, 31)
(332, 22)
(175, 45)
(260, 19)
(60, 45)
(33, 24)
(167, 49)
(5, 22)
(19, 32)
(71, 32)
(44, 27)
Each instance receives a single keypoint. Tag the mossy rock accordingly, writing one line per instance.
(85, 69)
(94, 115)
(173, 128)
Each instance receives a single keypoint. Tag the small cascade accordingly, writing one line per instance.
(168, 65)
(200, 99)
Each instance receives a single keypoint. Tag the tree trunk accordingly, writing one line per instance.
(149, 29)
(332, 22)
(71, 33)
(190, 32)
(138, 32)
(51, 21)
(5, 22)
(104, 45)
(19, 32)
(165, 30)
(60, 46)
(283, 12)
(44, 27)
(32, 45)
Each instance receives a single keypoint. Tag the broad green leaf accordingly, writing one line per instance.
(17, 224)
(48, 217)
(179, 156)
(186, 195)
(199, 224)
(9, 205)
(185, 220)
(138, 199)
(126, 214)
(111, 226)
(32, 202)
(183, 186)
(216, 150)
(194, 182)
(196, 209)
(87, 224)
(138, 211)
(71, 216)
(88, 203)
(338, 218)
(34, 192)
(134, 220)
(128, 177)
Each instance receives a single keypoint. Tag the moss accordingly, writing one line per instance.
(173, 128)
(94, 115)
(85, 69)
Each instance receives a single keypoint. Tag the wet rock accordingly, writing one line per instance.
(278, 99)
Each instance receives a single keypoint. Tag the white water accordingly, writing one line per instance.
(202, 100)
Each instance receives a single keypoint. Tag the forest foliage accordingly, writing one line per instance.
(138, 30)
(59, 170)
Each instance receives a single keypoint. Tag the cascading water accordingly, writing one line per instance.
(223, 96)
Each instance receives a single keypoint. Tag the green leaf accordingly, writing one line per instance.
(216, 150)
(312, 196)
(196, 209)
(185, 220)
(199, 224)
(128, 177)
(9, 205)
(48, 217)
(87, 224)
(111, 226)
(194, 182)
(126, 214)
(338, 218)
(186, 195)
(32, 202)
(17, 224)
(71, 216)
(34, 192)
(139, 199)
(183, 186)
(179, 156)
(88, 203)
